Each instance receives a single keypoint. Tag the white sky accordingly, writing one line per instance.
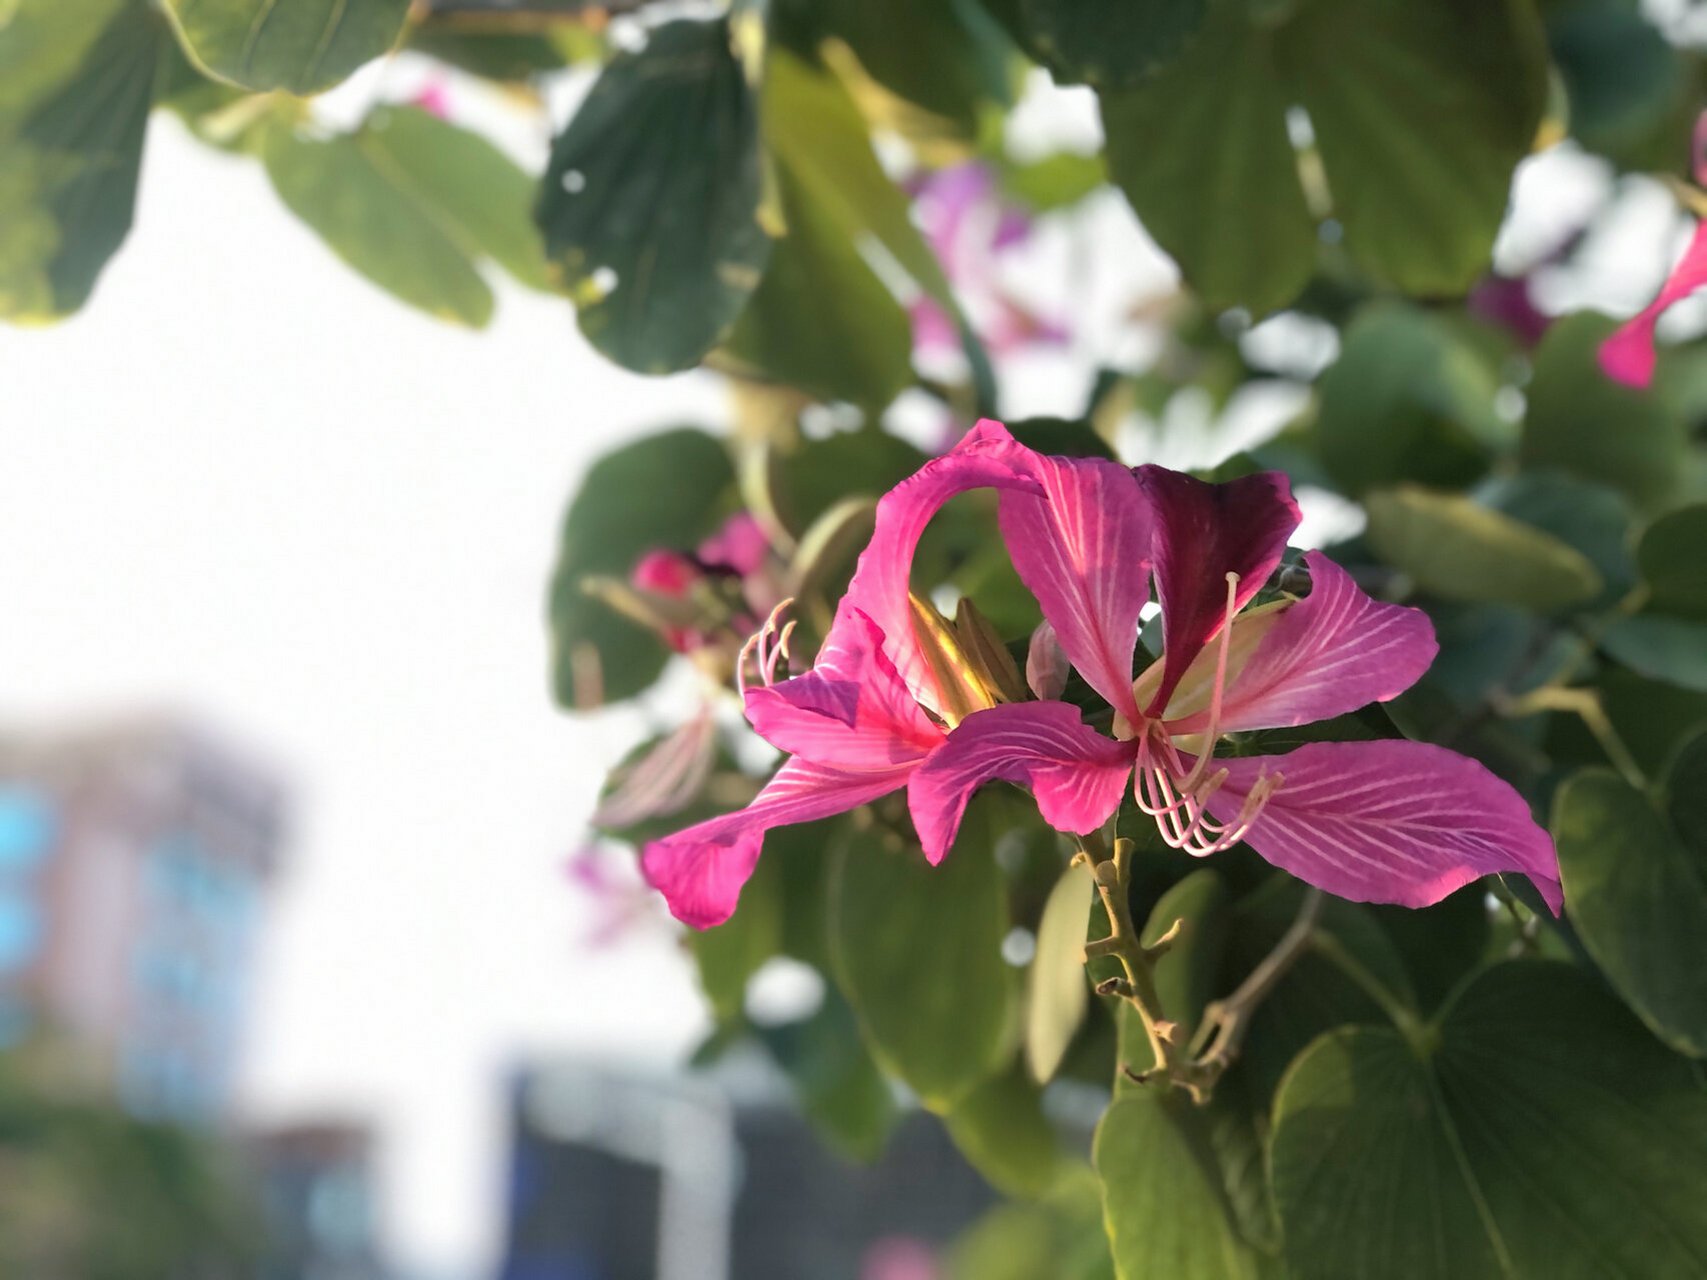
(245, 485)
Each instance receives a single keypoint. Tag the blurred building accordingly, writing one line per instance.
(316, 1186)
(617, 1175)
(133, 863)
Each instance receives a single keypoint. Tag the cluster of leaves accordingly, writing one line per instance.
(1469, 1090)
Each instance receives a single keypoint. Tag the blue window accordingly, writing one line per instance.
(28, 826)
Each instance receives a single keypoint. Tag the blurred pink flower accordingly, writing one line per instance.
(1628, 355)
(898, 1258)
(434, 98)
(740, 551)
(613, 886)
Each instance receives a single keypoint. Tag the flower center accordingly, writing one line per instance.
(1176, 795)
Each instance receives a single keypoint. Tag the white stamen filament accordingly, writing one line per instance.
(765, 649)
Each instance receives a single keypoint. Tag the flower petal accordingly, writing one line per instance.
(851, 710)
(1628, 355)
(1390, 821)
(1204, 532)
(1077, 774)
(987, 456)
(700, 871)
(1334, 651)
(1082, 547)
(1046, 665)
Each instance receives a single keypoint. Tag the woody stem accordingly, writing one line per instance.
(1138, 988)
(1226, 1021)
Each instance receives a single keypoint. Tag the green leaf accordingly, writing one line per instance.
(1420, 114)
(1057, 992)
(651, 201)
(1110, 43)
(1163, 1203)
(1460, 550)
(1584, 423)
(70, 153)
(1590, 517)
(371, 213)
(859, 350)
(1232, 214)
(840, 1089)
(1638, 898)
(852, 464)
(478, 193)
(816, 132)
(1546, 1135)
(1668, 649)
(1622, 78)
(918, 950)
(43, 42)
(1060, 1238)
(1001, 1130)
(728, 954)
(1407, 400)
(300, 46)
(1673, 565)
(1652, 717)
(661, 491)
(1441, 944)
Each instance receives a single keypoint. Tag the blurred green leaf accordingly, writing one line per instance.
(480, 196)
(859, 350)
(72, 121)
(1233, 214)
(1407, 400)
(918, 950)
(369, 213)
(840, 1089)
(1668, 649)
(1673, 558)
(301, 46)
(816, 131)
(659, 492)
(651, 203)
(1057, 181)
(1001, 1130)
(1057, 993)
(1638, 896)
(727, 955)
(1060, 1238)
(1622, 78)
(1459, 550)
(1419, 115)
(1582, 422)
(1110, 43)
(1441, 944)
(1163, 1201)
(504, 56)
(1547, 1134)
(1652, 717)
(818, 474)
(1592, 518)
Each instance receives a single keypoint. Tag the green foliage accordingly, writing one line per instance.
(894, 917)
(659, 492)
(1537, 1131)
(301, 47)
(1110, 43)
(1057, 995)
(651, 203)
(71, 132)
(1672, 565)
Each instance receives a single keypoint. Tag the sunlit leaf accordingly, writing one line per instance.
(1057, 993)
(300, 46)
(1001, 1130)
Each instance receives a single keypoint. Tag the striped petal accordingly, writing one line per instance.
(1077, 775)
(1389, 821)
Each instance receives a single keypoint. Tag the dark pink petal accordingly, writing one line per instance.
(1082, 545)
(986, 456)
(1334, 651)
(851, 710)
(1077, 774)
(700, 871)
(1204, 532)
(740, 545)
(1628, 355)
(1390, 821)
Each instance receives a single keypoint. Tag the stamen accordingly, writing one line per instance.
(1226, 643)
(765, 648)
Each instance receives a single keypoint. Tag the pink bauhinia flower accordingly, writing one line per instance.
(1382, 821)
(1628, 355)
(892, 703)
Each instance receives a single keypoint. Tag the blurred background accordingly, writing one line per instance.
(304, 954)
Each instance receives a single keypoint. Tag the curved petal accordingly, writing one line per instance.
(1334, 651)
(1204, 532)
(1077, 774)
(700, 871)
(1628, 355)
(986, 457)
(1082, 547)
(851, 710)
(1390, 821)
